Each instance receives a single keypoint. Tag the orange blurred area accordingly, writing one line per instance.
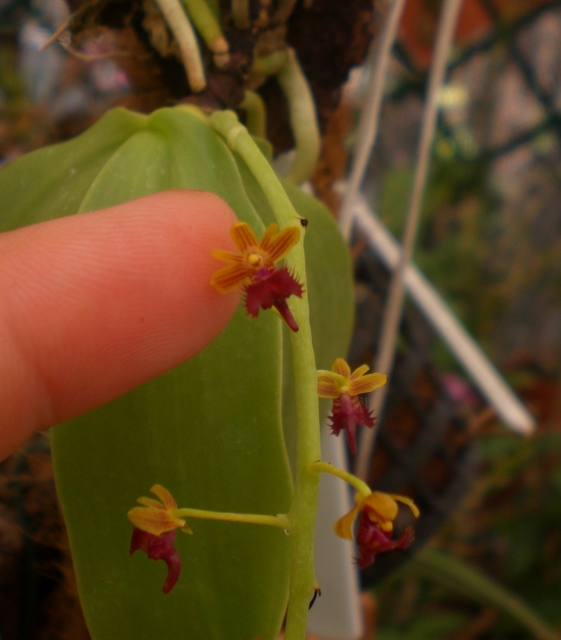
(420, 19)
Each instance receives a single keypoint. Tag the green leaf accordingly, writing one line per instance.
(458, 575)
(53, 181)
(210, 431)
(438, 625)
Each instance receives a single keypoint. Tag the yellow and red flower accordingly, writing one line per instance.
(344, 387)
(378, 511)
(253, 268)
(155, 526)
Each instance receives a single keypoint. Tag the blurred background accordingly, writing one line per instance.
(489, 241)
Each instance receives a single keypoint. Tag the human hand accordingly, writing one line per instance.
(95, 304)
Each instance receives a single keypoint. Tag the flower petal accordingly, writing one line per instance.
(150, 502)
(164, 495)
(327, 388)
(342, 368)
(154, 521)
(339, 380)
(230, 277)
(268, 237)
(359, 371)
(227, 256)
(277, 247)
(243, 236)
(407, 501)
(380, 507)
(366, 384)
(344, 526)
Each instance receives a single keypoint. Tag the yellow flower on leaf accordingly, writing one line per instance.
(344, 387)
(253, 268)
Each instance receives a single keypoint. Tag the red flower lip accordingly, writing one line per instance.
(271, 290)
(371, 541)
(159, 548)
(348, 413)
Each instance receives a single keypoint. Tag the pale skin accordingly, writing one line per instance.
(95, 304)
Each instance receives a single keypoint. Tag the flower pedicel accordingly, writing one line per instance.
(156, 523)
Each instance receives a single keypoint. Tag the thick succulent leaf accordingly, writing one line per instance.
(210, 430)
(53, 181)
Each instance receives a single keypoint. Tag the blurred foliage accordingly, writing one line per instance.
(508, 532)
(509, 527)
(459, 223)
(490, 241)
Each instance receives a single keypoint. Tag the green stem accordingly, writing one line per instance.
(325, 467)
(301, 107)
(303, 119)
(269, 64)
(209, 29)
(302, 514)
(458, 575)
(280, 520)
(256, 117)
(183, 32)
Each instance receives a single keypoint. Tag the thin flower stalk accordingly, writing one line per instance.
(155, 525)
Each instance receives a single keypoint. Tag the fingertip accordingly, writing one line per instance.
(98, 303)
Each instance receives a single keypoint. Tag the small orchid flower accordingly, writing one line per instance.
(155, 526)
(159, 548)
(347, 411)
(253, 269)
(378, 511)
